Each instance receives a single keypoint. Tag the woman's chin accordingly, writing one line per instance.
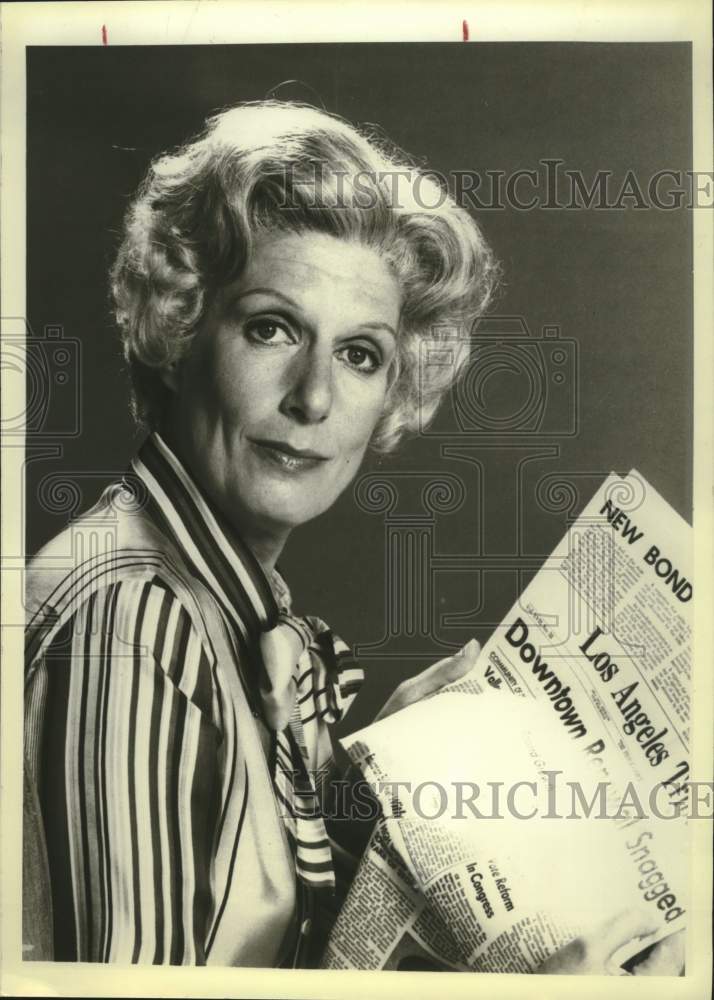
(279, 515)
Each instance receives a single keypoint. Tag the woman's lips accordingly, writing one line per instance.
(287, 458)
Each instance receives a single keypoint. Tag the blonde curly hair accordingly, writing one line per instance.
(271, 167)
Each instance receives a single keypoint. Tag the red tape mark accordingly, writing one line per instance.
(465, 30)
(105, 40)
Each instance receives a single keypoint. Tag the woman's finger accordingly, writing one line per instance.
(615, 933)
(590, 954)
(444, 672)
(665, 959)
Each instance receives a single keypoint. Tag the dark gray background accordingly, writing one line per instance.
(618, 283)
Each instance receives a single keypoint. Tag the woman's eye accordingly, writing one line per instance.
(268, 331)
(362, 358)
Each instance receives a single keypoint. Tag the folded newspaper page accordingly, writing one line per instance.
(511, 825)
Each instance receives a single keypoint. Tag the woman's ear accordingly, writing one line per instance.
(169, 375)
(392, 376)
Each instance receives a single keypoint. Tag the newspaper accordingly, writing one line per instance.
(511, 825)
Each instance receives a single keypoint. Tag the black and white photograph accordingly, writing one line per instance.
(356, 443)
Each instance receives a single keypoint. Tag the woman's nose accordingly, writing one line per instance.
(309, 398)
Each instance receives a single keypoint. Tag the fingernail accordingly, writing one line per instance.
(471, 648)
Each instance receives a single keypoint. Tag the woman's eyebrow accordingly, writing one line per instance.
(267, 291)
(378, 326)
(264, 290)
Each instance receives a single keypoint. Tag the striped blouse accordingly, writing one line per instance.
(167, 842)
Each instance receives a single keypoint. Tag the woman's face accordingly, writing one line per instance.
(275, 405)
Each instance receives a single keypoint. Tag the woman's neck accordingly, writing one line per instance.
(266, 542)
(265, 547)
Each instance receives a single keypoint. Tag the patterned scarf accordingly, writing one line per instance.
(308, 675)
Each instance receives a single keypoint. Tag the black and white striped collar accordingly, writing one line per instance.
(215, 553)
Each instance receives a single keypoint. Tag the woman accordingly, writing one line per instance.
(272, 290)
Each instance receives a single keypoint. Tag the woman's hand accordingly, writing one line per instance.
(429, 681)
(592, 954)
